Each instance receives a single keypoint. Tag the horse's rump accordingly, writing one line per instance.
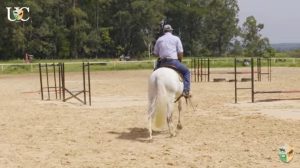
(164, 86)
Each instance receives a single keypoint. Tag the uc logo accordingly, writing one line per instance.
(18, 14)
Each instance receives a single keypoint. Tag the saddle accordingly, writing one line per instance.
(164, 63)
(180, 79)
(175, 69)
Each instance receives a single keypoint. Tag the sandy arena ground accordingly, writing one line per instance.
(113, 131)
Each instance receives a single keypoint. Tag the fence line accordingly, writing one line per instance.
(115, 64)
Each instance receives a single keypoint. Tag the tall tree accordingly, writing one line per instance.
(186, 17)
(134, 22)
(253, 42)
(78, 26)
(12, 34)
(221, 25)
(108, 28)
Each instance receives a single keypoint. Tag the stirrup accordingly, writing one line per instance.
(186, 94)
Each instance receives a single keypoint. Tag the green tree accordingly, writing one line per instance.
(12, 34)
(186, 18)
(78, 26)
(134, 23)
(253, 42)
(220, 25)
(47, 34)
(108, 28)
(205, 27)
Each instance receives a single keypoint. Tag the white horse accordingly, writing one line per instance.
(165, 87)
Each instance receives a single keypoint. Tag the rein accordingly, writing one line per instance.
(186, 101)
(178, 98)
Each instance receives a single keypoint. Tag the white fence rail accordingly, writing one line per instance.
(116, 64)
(112, 64)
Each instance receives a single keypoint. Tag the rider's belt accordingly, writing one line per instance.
(166, 59)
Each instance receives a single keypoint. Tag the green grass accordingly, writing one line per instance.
(109, 66)
(18, 67)
(229, 62)
(15, 67)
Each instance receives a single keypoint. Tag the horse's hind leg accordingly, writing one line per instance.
(171, 126)
(179, 126)
(170, 121)
(151, 109)
(150, 127)
(150, 117)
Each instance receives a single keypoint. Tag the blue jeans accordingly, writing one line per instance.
(181, 68)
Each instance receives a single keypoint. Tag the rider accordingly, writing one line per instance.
(170, 52)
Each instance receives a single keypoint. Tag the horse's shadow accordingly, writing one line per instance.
(135, 134)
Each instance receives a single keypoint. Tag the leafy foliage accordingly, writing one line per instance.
(64, 29)
(254, 43)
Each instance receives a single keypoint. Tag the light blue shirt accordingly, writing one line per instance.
(168, 46)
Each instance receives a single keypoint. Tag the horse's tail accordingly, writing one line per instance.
(160, 109)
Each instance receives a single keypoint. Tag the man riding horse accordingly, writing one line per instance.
(170, 52)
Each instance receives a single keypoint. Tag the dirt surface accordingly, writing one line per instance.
(113, 131)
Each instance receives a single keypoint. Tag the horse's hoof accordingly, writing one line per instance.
(150, 139)
(173, 135)
(179, 126)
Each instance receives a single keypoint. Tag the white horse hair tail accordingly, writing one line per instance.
(160, 109)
